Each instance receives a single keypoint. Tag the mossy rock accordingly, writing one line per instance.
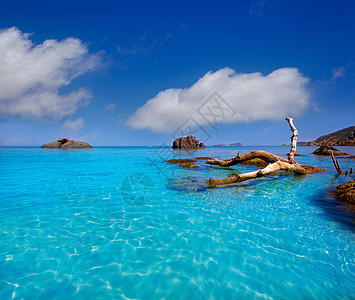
(188, 166)
(346, 192)
(255, 162)
(181, 160)
(311, 170)
(203, 158)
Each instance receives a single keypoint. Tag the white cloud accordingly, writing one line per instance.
(31, 75)
(74, 125)
(252, 97)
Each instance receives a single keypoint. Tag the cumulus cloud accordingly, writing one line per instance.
(74, 125)
(239, 98)
(31, 75)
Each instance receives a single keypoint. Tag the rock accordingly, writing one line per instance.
(203, 158)
(346, 192)
(181, 160)
(65, 143)
(255, 162)
(343, 137)
(298, 144)
(187, 163)
(325, 150)
(189, 166)
(311, 170)
(188, 142)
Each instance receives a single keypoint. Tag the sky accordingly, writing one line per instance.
(135, 73)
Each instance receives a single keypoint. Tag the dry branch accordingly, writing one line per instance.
(275, 163)
(264, 155)
(336, 164)
(271, 168)
(294, 137)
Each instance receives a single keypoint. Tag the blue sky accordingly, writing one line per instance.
(86, 70)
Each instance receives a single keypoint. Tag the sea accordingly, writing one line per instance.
(121, 223)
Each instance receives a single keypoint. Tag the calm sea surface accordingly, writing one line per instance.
(121, 223)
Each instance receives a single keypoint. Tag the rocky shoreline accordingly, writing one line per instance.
(346, 193)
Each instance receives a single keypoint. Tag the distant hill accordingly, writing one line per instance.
(343, 137)
(228, 145)
(298, 144)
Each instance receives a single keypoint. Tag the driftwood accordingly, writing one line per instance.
(275, 163)
(294, 137)
(271, 168)
(336, 164)
(264, 155)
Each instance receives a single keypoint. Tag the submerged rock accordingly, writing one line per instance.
(346, 192)
(187, 163)
(188, 142)
(311, 169)
(189, 166)
(326, 150)
(65, 143)
(255, 162)
(181, 160)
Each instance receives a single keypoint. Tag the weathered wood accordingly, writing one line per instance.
(336, 164)
(294, 137)
(264, 155)
(275, 163)
(271, 168)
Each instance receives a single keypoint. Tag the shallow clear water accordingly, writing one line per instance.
(122, 223)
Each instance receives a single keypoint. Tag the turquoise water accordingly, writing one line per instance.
(121, 223)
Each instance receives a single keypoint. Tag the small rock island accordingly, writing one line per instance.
(326, 150)
(188, 142)
(65, 143)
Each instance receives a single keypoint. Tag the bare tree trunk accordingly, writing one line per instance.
(336, 164)
(271, 168)
(275, 163)
(264, 155)
(294, 137)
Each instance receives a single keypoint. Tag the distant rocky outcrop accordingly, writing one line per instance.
(298, 144)
(346, 193)
(344, 137)
(326, 150)
(229, 145)
(188, 142)
(65, 143)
